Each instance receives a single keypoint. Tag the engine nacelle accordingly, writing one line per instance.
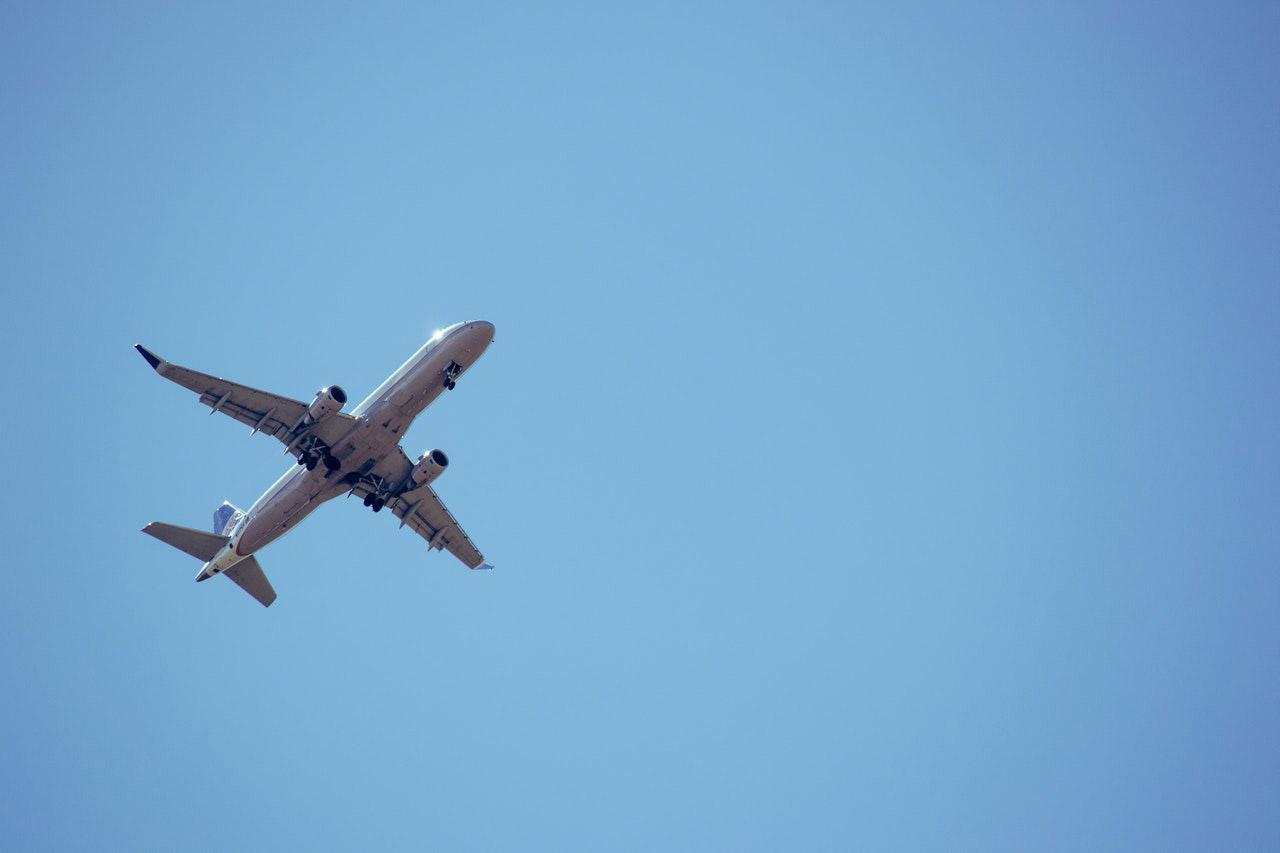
(327, 401)
(430, 465)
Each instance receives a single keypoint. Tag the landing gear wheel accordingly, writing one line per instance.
(377, 506)
(368, 500)
(302, 460)
(332, 462)
(311, 463)
(451, 373)
(450, 384)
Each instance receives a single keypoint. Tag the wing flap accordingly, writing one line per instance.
(266, 419)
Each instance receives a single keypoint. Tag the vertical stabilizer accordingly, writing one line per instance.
(225, 518)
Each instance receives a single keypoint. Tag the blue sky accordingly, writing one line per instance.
(878, 448)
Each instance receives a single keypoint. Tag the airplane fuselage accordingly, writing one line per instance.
(381, 421)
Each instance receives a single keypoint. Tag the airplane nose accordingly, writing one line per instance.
(476, 337)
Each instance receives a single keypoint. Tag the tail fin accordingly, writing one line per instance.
(225, 518)
(197, 543)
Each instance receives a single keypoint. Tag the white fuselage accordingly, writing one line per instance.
(381, 421)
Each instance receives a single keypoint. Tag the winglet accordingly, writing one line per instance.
(488, 566)
(152, 359)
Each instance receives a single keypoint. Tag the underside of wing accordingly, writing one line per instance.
(272, 414)
(420, 509)
(424, 512)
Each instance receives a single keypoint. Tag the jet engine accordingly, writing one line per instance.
(430, 465)
(327, 401)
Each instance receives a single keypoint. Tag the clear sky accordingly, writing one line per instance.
(878, 449)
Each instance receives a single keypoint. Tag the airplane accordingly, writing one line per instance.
(336, 452)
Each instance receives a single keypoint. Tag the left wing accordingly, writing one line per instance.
(265, 412)
(421, 510)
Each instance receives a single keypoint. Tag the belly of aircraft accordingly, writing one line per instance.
(300, 494)
(285, 510)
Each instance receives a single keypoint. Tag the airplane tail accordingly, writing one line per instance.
(225, 518)
(247, 574)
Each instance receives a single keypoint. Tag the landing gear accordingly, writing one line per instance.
(312, 451)
(378, 490)
(451, 373)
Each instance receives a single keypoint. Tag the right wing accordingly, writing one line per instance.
(265, 412)
(421, 510)
(431, 519)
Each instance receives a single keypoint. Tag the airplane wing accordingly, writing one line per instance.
(422, 511)
(265, 412)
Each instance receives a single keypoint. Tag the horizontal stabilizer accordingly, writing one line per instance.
(249, 576)
(197, 543)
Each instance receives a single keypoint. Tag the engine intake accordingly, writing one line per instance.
(328, 400)
(430, 465)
